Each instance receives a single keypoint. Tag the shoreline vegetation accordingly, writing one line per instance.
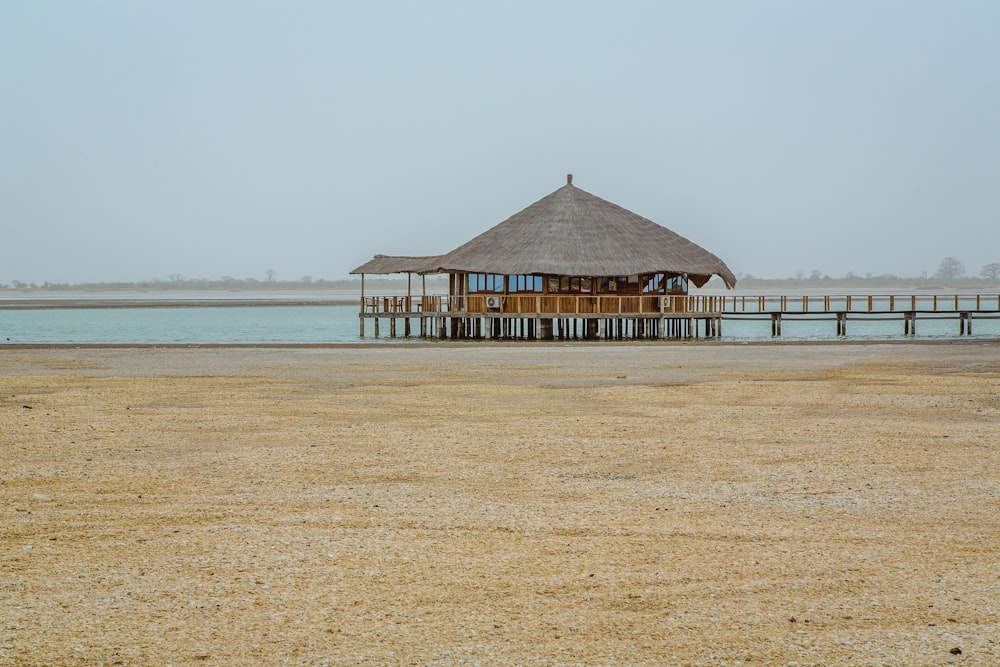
(437, 283)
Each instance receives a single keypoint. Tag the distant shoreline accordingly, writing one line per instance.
(511, 346)
(114, 302)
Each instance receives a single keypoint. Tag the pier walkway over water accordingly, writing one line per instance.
(584, 316)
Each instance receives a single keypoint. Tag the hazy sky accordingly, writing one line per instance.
(211, 138)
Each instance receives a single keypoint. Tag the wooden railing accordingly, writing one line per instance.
(555, 305)
(861, 303)
(568, 305)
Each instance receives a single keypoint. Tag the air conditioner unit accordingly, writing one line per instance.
(493, 302)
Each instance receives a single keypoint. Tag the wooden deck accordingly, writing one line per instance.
(655, 316)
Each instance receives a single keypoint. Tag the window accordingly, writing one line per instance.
(653, 284)
(677, 284)
(569, 285)
(485, 282)
(524, 283)
(618, 285)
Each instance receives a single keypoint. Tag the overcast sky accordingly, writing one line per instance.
(212, 138)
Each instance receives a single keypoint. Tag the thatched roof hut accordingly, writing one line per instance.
(570, 232)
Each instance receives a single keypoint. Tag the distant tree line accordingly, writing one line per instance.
(179, 282)
(950, 273)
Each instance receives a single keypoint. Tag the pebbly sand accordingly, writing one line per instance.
(501, 505)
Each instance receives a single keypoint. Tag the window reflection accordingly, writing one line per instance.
(494, 282)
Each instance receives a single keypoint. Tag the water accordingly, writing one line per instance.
(339, 324)
(228, 324)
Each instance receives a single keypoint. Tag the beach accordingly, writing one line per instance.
(466, 504)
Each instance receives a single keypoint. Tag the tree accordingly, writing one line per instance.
(950, 269)
(270, 273)
(991, 271)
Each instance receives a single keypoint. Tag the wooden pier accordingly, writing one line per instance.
(904, 308)
(564, 317)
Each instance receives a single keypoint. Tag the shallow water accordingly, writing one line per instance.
(339, 324)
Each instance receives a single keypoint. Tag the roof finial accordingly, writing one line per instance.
(569, 179)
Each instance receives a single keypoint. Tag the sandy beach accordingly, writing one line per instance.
(648, 504)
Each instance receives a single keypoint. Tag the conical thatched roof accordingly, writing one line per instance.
(574, 233)
(569, 233)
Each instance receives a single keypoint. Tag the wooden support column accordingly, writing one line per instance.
(775, 324)
(965, 324)
(545, 328)
(362, 305)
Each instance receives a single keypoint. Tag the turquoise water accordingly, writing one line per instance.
(228, 324)
(339, 324)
